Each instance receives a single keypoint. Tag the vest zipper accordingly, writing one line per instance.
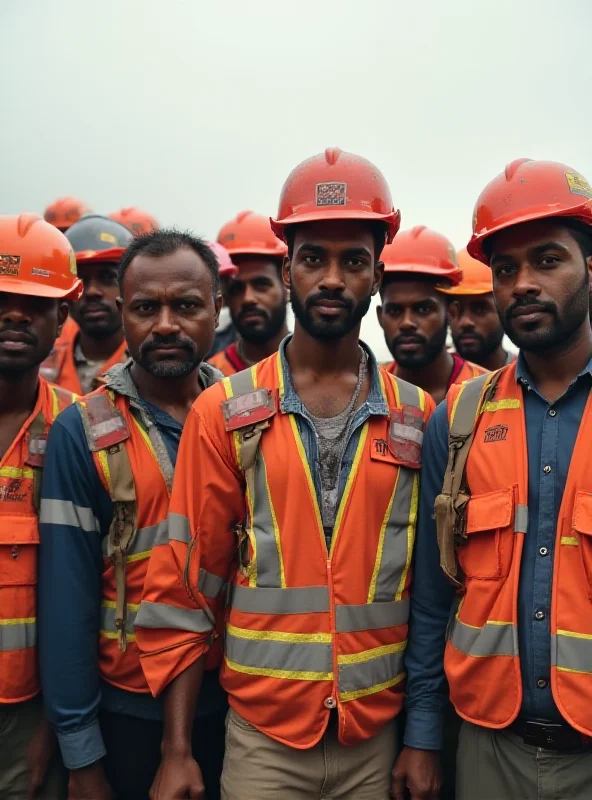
(335, 690)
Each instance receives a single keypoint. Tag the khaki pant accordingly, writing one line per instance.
(497, 765)
(18, 723)
(259, 768)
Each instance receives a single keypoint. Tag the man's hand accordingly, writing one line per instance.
(420, 772)
(41, 750)
(178, 777)
(89, 783)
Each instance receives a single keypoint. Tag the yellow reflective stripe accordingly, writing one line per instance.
(280, 372)
(309, 481)
(102, 456)
(144, 436)
(276, 528)
(410, 533)
(570, 541)
(353, 473)
(16, 472)
(374, 652)
(345, 697)
(18, 621)
(575, 635)
(378, 562)
(279, 636)
(111, 604)
(55, 406)
(129, 637)
(279, 673)
(138, 556)
(500, 405)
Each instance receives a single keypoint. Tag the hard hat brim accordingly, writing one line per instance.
(465, 291)
(392, 220)
(451, 278)
(89, 256)
(39, 290)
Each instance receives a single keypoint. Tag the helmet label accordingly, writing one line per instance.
(108, 237)
(9, 265)
(331, 194)
(578, 185)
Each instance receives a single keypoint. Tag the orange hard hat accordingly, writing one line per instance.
(136, 220)
(98, 238)
(251, 234)
(476, 277)
(336, 185)
(421, 251)
(65, 212)
(36, 259)
(525, 191)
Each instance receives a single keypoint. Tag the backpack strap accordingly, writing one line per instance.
(106, 433)
(451, 505)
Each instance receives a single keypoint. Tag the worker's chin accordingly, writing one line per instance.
(169, 368)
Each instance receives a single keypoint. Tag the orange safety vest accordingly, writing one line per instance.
(59, 367)
(228, 361)
(482, 660)
(20, 474)
(307, 631)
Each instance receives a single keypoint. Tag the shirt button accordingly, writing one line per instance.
(552, 412)
(330, 702)
(547, 469)
(542, 683)
(15, 551)
(540, 615)
(543, 551)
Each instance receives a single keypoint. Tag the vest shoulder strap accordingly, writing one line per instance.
(450, 505)
(247, 410)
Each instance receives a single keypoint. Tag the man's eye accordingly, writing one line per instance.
(312, 260)
(187, 305)
(504, 270)
(549, 261)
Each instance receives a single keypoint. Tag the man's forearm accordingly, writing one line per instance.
(180, 700)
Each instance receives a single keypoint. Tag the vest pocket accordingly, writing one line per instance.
(487, 553)
(582, 524)
(19, 541)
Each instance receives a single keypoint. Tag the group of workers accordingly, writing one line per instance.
(248, 564)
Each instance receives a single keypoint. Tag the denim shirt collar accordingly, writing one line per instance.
(292, 404)
(524, 377)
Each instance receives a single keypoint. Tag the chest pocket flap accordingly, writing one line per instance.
(487, 553)
(18, 549)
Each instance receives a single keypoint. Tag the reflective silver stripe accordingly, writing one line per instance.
(17, 635)
(468, 405)
(108, 619)
(366, 674)
(162, 534)
(143, 541)
(393, 558)
(571, 652)
(408, 393)
(161, 615)
(371, 616)
(178, 528)
(521, 519)
(266, 654)
(208, 584)
(64, 512)
(305, 600)
(493, 639)
(242, 382)
(407, 432)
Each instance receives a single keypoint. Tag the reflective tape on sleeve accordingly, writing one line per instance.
(178, 528)
(208, 584)
(64, 512)
(161, 615)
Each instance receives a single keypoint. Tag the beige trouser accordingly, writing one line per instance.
(18, 723)
(259, 768)
(497, 765)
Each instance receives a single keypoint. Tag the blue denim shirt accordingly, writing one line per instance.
(551, 430)
(291, 403)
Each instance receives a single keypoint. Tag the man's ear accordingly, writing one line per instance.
(379, 316)
(378, 276)
(286, 272)
(63, 312)
(217, 309)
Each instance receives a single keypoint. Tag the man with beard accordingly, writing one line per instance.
(77, 362)
(105, 496)
(37, 274)
(304, 469)
(256, 297)
(418, 265)
(514, 517)
(475, 325)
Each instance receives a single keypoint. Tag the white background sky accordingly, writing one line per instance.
(195, 110)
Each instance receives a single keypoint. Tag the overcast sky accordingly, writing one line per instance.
(195, 110)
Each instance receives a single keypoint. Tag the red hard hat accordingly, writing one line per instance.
(421, 251)
(227, 268)
(476, 277)
(336, 185)
(525, 191)
(65, 211)
(251, 234)
(136, 220)
(36, 259)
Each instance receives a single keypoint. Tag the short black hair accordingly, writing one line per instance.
(165, 242)
(581, 232)
(378, 232)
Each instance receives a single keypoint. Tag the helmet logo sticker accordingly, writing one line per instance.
(41, 273)
(9, 265)
(578, 185)
(108, 237)
(331, 194)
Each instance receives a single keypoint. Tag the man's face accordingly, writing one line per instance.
(29, 327)
(541, 284)
(332, 274)
(256, 298)
(169, 312)
(475, 326)
(414, 318)
(96, 312)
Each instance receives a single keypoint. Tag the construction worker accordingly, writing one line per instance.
(256, 297)
(105, 498)
(475, 325)
(307, 465)
(77, 362)
(64, 212)
(37, 275)
(136, 220)
(414, 312)
(514, 517)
